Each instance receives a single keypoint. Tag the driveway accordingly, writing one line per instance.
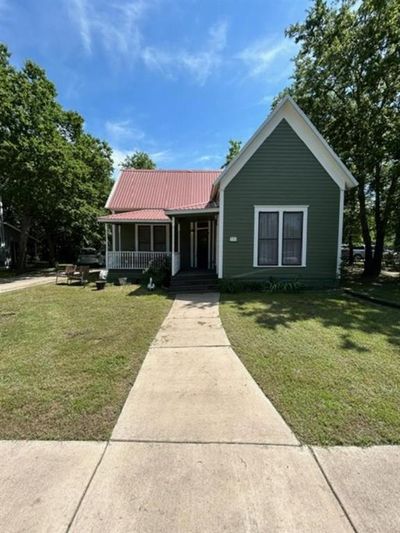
(197, 448)
(23, 282)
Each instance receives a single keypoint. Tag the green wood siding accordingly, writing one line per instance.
(283, 171)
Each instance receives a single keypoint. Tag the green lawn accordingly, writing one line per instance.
(385, 287)
(68, 357)
(329, 363)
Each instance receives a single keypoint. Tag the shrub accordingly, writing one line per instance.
(160, 271)
(272, 285)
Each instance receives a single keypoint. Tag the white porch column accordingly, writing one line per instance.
(113, 237)
(217, 244)
(106, 230)
(173, 248)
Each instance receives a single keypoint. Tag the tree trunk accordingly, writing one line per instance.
(378, 254)
(368, 261)
(397, 234)
(23, 241)
(351, 250)
(52, 249)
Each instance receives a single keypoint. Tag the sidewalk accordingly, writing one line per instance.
(197, 448)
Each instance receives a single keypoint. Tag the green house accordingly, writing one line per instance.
(275, 211)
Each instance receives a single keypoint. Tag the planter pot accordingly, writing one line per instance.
(100, 284)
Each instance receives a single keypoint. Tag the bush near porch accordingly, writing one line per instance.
(329, 363)
(69, 356)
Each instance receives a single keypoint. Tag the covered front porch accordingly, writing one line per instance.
(188, 239)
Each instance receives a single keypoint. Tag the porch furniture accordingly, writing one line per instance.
(69, 269)
(81, 274)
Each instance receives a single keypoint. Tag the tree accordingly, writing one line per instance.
(48, 166)
(73, 221)
(234, 149)
(138, 160)
(347, 80)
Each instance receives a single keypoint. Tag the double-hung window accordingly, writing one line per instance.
(152, 238)
(280, 236)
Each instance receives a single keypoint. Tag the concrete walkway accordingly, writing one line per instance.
(24, 282)
(197, 448)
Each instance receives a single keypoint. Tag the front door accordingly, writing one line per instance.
(202, 248)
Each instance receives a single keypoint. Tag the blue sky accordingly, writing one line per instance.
(175, 78)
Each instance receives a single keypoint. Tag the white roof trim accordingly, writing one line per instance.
(112, 191)
(288, 109)
(191, 211)
(133, 220)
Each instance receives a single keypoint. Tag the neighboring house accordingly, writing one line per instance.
(275, 211)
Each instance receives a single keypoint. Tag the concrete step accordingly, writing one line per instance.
(194, 281)
(194, 288)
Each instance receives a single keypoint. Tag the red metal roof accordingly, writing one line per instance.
(132, 216)
(195, 207)
(161, 189)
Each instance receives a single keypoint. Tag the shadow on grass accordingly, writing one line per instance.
(331, 309)
(139, 290)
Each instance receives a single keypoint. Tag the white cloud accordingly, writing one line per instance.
(208, 158)
(118, 156)
(115, 25)
(79, 13)
(123, 130)
(262, 55)
(199, 64)
(163, 156)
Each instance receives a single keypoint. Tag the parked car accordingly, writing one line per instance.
(91, 257)
(358, 253)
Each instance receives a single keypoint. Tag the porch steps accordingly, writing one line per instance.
(194, 281)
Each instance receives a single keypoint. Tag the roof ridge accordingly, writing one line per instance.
(170, 170)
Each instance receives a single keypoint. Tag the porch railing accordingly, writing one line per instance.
(133, 260)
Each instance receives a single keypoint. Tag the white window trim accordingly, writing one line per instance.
(152, 236)
(280, 209)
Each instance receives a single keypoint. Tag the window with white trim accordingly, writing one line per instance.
(152, 238)
(280, 236)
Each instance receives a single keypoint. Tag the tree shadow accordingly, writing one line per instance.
(331, 308)
(139, 290)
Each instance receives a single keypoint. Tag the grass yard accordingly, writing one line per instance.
(387, 290)
(329, 363)
(69, 355)
(385, 287)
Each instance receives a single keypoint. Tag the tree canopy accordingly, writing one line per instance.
(233, 150)
(138, 160)
(54, 177)
(347, 80)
